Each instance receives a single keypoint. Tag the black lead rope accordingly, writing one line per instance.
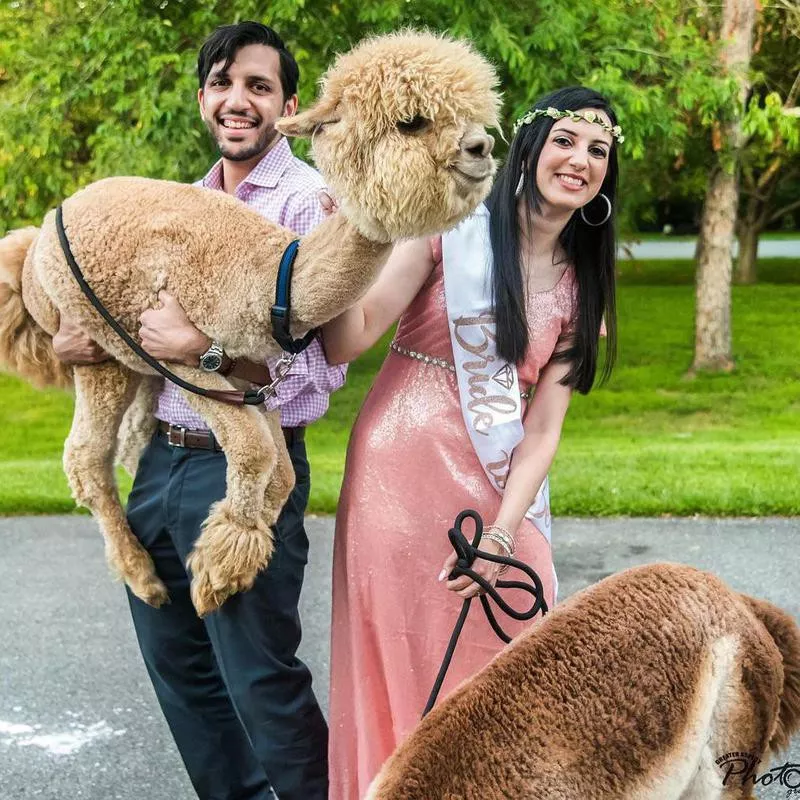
(467, 553)
(280, 313)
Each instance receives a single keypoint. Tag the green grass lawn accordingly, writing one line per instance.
(650, 442)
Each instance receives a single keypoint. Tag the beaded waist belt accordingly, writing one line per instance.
(441, 362)
(437, 362)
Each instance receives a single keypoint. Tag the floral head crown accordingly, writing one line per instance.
(554, 113)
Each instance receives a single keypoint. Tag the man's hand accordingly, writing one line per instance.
(168, 335)
(73, 346)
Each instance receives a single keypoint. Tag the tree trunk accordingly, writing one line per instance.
(749, 231)
(713, 349)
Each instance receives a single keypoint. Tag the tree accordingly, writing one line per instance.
(106, 87)
(713, 350)
(771, 153)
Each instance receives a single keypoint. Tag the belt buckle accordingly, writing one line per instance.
(180, 440)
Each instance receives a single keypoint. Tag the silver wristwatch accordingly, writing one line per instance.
(211, 360)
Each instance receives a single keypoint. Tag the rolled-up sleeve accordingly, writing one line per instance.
(310, 374)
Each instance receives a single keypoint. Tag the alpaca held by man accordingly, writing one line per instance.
(632, 689)
(399, 135)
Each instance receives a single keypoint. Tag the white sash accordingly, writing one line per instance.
(488, 387)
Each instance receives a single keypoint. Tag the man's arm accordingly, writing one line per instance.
(168, 335)
(72, 345)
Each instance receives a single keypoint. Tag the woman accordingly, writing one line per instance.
(513, 299)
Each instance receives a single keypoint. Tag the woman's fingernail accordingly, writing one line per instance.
(442, 575)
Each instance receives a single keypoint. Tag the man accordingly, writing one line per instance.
(237, 699)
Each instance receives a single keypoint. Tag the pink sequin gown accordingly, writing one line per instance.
(410, 469)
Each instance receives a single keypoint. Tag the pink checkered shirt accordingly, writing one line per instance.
(284, 189)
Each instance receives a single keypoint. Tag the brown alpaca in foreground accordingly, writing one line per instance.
(633, 689)
(399, 135)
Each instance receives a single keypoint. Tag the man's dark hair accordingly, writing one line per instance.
(227, 40)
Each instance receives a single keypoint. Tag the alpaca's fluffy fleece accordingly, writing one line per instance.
(25, 347)
(630, 689)
(783, 630)
(133, 237)
(389, 80)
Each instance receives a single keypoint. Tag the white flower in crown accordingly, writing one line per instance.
(554, 113)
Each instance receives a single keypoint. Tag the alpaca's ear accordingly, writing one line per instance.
(306, 122)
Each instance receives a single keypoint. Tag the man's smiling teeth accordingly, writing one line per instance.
(235, 123)
(570, 180)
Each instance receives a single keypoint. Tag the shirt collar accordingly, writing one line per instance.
(266, 173)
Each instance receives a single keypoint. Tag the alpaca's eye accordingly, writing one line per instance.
(415, 125)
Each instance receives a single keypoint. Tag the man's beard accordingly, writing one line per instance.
(259, 147)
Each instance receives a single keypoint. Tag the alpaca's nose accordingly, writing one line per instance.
(478, 144)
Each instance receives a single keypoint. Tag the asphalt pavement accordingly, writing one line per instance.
(78, 717)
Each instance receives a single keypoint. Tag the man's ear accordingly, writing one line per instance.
(306, 122)
(290, 106)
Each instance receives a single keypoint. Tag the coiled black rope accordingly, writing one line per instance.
(467, 553)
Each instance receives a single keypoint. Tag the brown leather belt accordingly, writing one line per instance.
(178, 436)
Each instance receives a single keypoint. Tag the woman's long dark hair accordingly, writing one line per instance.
(591, 250)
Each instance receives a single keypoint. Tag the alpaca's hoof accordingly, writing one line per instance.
(151, 591)
(136, 568)
(226, 558)
(204, 598)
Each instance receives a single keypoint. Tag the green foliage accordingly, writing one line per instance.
(770, 156)
(650, 442)
(102, 87)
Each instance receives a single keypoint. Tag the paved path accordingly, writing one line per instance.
(767, 248)
(78, 718)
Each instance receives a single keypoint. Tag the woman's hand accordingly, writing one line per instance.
(328, 202)
(168, 334)
(73, 346)
(464, 586)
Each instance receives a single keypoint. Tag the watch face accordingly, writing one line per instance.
(211, 362)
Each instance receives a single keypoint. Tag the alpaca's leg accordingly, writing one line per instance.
(735, 735)
(280, 485)
(102, 392)
(236, 542)
(138, 424)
